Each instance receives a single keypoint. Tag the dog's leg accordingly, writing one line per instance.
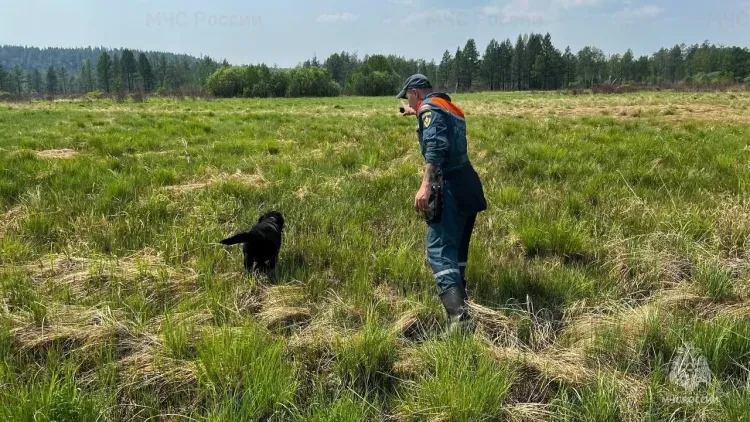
(262, 267)
(273, 261)
(268, 269)
(248, 263)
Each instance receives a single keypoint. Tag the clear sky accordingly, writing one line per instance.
(286, 32)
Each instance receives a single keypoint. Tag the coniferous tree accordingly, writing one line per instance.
(36, 81)
(63, 80)
(550, 64)
(518, 63)
(491, 65)
(569, 64)
(160, 70)
(104, 72)
(4, 79)
(470, 64)
(531, 68)
(455, 78)
(444, 70)
(129, 69)
(18, 79)
(51, 81)
(87, 77)
(116, 70)
(147, 74)
(505, 59)
(627, 64)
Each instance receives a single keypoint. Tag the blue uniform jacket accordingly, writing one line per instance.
(442, 139)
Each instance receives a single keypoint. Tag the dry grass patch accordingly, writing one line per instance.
(525, 412)
(732, 231)
(416, 324)
(81, 275)
(314, 345)
(581, 332)
(57, 153)
(284, 307)
(567, 366)
(409, 363)
(668, 112)
(11, 219)
(74, 328)
(493, 326)
(148, 370)
(302, 192)
(249, 180)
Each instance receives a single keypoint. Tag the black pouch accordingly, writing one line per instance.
(470, 195)
(434, 211)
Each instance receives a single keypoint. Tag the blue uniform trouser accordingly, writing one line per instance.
(463, 247)
(448, 245)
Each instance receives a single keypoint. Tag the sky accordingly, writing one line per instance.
(287, 32)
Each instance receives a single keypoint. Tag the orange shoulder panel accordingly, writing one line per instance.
(448, 106)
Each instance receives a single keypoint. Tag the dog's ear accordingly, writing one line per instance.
(277, 217)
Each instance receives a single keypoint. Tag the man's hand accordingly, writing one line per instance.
(407, 111)
(422, 197)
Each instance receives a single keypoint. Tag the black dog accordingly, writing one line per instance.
(261, 244)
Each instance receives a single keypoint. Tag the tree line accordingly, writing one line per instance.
(54, 71)
(532, 62)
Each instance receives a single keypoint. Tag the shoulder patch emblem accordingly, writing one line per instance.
(427, 118)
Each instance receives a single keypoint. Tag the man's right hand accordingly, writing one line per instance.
(422, 198)
(408, 111)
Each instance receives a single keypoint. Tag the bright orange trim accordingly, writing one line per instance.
(448, 106)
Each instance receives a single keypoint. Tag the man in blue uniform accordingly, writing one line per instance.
(448, 172)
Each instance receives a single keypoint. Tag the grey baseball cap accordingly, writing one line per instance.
(414, 81)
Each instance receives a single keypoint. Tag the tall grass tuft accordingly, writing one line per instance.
(462, 382)
(243, 375)
(365, 359)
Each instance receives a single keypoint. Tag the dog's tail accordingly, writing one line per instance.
(240, 238)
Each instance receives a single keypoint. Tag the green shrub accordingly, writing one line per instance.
(228, 82)
(311, 82)
(373, 84)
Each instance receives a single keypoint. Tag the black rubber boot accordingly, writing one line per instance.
(454, 301)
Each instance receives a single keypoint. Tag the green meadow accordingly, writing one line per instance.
(617, 234)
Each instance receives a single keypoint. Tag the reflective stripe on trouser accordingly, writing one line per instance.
(444, 245)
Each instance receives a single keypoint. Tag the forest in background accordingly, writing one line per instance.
(532, 62)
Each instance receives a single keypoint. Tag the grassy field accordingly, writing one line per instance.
(617, 234)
